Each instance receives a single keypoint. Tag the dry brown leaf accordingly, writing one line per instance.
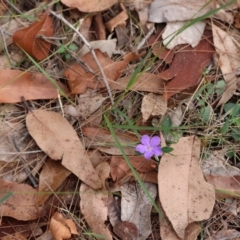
(167, 232)
(153, 105)
(181, 173)
(106, 46)
(27, 38)
(158, 49)
(120, 169)
(114, 212)
(16, 83)
(57, 138)
(13, 25)
(226, 186)
(136, 206)
(22, 204)
(104, 141)
(88, 103)
(229, 61)
(126, 230)
(94, 204)
(99, 27)
(51, 177)
(79, 80)
(103, 170)
(187, 66)
(15, 236)
(175, 10)
(120, 19)
(89, 5)
(225, 233)
(191, 35)
(147, 82)
(62, 228)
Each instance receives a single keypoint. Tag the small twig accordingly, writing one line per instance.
(146, 38)
(26, 168)
(26, 104)
(91, 50)
(5, 46)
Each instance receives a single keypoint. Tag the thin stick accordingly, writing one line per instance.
(26, 168)
(146, 38)
(91, 50)
(5, 46)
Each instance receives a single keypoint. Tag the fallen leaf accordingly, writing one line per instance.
(119, 19)
(191, 35)
(27, 38)
(147, 82)
(103, 140)
(15, 236)
(229, 58)
(167, 232)
(216, 164)
(99, 27)
(136, 206)
(51, 177)
(79, 80)
(120, 169)
(21, 203)
(16, 83)
(105, 46)
(89, 5)
(126, 230)
(158, 49)
(187, 67)
(60, 141)
(226, 186)
(195, 197)
(62, 228)
(13, 25)
(88, 103)
(114, 212)
(170, 11)
(94, 204)
(153, 105)
(224, 15)
(226, 234)
(103, 170)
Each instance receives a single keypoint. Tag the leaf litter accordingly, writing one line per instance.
(126, 76)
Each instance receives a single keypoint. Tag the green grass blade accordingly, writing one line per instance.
(6, 197)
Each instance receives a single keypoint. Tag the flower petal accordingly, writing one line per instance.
(148, 154)
(157, 151)
(145, 140)
(155, 141)
(141, 148)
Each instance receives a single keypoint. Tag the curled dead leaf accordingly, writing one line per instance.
(27, 38)
(62, 228)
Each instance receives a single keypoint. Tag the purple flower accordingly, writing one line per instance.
(149, 146)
